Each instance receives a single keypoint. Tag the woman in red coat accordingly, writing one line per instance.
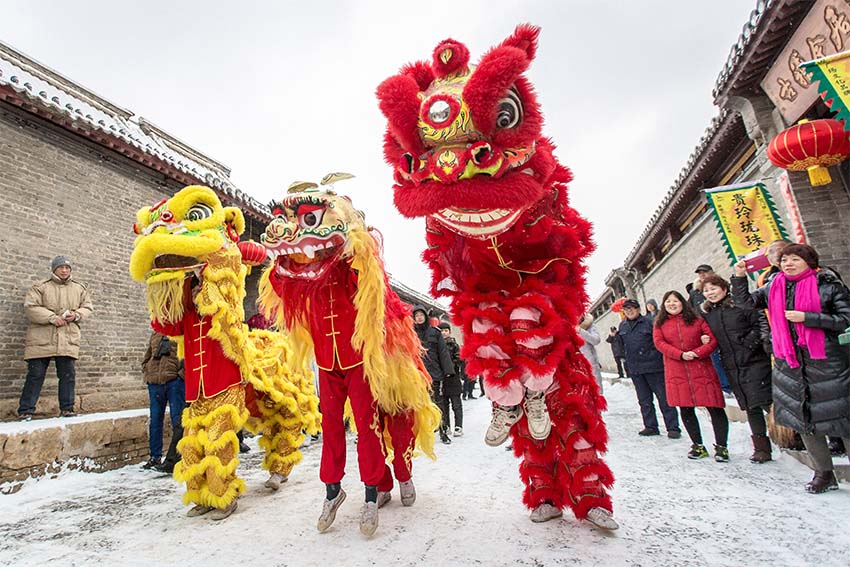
(688, 372)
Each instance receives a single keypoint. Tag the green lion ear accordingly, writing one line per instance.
(234, 218)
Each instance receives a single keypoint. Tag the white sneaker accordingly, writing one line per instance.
(369, 518)
(408, 492)
(222, 513)
(500, 426)
(539, 424)
(198, 510)
(329, 508)
(458, 432)
(545, 512)
(275, 480)
(384, 498)
(602, 518)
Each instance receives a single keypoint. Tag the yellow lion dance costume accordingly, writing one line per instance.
(327, 287)
(188, 255)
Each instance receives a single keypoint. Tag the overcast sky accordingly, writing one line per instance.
(280, 91)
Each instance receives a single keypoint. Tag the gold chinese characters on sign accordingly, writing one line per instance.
(824, 31)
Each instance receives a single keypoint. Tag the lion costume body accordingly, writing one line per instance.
(506, 247)
(327, 287)
(191, 239)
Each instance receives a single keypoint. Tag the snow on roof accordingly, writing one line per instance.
(59, 96)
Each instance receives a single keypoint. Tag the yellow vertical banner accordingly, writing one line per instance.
(746, 217)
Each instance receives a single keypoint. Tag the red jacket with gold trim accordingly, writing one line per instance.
(208, 371)
(331, 320)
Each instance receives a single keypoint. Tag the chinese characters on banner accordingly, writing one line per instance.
(833, 77)
(824, 31)
(746, 217)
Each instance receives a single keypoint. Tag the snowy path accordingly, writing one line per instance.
(673, 512)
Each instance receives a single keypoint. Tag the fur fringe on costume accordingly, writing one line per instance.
(506, 247)
(391, 352)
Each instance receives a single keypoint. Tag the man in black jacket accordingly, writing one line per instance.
(618, 350)
(646, 369)
(438, 363)
(452, 386)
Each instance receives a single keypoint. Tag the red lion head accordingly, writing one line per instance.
(465, 140)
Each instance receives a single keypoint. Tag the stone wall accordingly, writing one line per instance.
(825, 212)
(94, 445)
(65, 195)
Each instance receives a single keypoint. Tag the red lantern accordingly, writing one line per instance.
(811, 146)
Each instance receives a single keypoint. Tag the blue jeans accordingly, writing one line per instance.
(172, 393)
(645, 386)
(36, 369)
(721, 374)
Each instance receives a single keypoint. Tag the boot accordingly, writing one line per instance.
(198, 510)
(222, 513)
(822, 482)
(275, 480)
(761, 449)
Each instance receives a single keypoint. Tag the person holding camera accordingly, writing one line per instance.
(55, 308)
(163, 373)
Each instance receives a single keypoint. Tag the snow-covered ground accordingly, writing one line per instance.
(468, 512)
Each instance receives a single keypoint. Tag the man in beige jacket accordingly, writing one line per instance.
(55, 308)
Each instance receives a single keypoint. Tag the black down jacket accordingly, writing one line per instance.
(437, 359)
(813, 398)
(452, 385)
(740, 335)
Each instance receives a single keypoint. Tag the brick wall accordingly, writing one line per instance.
(825, 212)
(65, 195)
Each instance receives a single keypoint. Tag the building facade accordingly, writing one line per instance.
(74, 169)
(760, 92)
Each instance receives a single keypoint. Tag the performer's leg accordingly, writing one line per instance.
(225, 418)
(400, 428)
(332, 400)
(370, 446)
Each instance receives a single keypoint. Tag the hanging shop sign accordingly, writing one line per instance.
(824, 31)
(832, 75)
(746, 217)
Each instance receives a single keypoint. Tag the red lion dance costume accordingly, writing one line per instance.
(507, 248)
(327, 287)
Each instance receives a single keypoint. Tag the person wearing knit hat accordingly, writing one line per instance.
(55, 308)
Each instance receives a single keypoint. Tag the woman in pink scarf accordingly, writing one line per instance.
(807, 308)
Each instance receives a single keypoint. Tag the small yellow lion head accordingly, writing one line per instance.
(178, 235)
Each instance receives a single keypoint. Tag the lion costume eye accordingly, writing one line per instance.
(510, 111)
(310, 217)
(199, 211)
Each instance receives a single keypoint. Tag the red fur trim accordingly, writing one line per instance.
(495, 74)
(421, 72)
(400, 104)
(525, 38)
